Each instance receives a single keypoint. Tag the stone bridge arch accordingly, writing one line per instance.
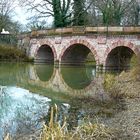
(81, 42)
(127, 45)
(47, 44)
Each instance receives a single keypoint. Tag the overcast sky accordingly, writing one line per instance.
(20, 15)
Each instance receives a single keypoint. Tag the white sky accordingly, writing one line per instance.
(20, 15)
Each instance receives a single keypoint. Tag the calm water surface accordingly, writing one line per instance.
(28, 91)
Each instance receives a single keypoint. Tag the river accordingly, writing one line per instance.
(27, 92)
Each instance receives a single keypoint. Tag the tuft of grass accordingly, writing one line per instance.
(7, 137)
(134, 61)
(54, 131)
(109, 80)
(96, 131)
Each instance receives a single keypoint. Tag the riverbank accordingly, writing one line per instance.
(122, 111)
(126, 87)
(10, 53)
(127, 122)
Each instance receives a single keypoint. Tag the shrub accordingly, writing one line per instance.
(134, 61)
(126, 85)
(109, 80)
(135, 72)
(11, 53)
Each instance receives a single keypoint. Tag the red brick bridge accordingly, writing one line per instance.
(108, 45)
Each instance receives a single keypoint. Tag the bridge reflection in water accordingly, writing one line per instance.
(73, 80)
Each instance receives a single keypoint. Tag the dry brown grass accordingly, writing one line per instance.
(7, 137)
(126, 85)
(86, 131)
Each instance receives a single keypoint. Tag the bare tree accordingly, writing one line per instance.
(113, 11)
(6, 11)
(85, 12)
(58, 9)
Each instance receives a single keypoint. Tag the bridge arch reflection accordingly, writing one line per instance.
(42, 74)
(77, 77)
(66, 83)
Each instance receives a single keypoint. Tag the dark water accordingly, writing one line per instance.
(28, 91)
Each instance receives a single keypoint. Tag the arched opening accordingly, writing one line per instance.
(119, 58)
(44, 55)
(77, 54)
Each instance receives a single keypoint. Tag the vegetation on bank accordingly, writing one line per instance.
(85, 131)
(126, 87)
(126, 84)
(11, 53)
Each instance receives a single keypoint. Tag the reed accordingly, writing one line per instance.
(85, 131)
(54, 131)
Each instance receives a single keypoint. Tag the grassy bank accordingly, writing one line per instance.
(11, 53)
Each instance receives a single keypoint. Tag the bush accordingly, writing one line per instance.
(135, 64)
(127, 84)
(11, 53)
(109, 80)
(134, 61)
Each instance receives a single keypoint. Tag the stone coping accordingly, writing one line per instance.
(81, 30)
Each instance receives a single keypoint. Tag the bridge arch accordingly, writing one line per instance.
(118, 56)
(45, 52)
(85, 46)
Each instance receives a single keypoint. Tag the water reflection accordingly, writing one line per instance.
(66, 78)
(12, 73)
(22, 107)
(44, 72)
(77, 77)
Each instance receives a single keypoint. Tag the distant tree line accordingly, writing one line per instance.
(86, 12)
